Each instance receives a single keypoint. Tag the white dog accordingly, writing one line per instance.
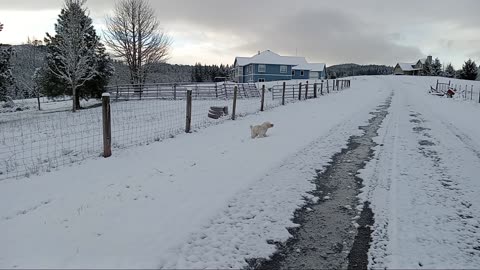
(260, 131)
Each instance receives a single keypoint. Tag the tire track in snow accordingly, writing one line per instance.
(327, 236)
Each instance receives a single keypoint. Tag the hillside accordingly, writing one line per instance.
(344, 70)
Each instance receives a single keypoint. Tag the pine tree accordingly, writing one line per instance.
(427, 69)
(449, 71)
(469, 70)
(6, 77)
(75, 56)
(436, 67)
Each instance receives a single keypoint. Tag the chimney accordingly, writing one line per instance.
(429, 59)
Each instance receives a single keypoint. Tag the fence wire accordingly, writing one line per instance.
(36, 143)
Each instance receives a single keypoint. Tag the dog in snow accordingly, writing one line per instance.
(260, 131)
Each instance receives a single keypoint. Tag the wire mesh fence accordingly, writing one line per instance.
(34, 144)
(37, 143)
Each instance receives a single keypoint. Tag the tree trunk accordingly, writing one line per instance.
(74, 99)
(38, 101)
(77, 100)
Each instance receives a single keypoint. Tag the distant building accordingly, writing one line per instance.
(269, 66)
(411, 68)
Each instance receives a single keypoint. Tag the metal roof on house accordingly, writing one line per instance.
(310, 66)
(407, 66)
(269, 57)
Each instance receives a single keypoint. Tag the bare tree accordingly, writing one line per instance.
(133, 34)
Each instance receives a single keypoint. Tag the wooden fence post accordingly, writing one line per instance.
(234, 107)
(328, 88)
(216, 90)
(300, 91)
(471, 93)
(321, 89)
(315, 90)
(306, 91)
(107, 126)
(188, 117)
(436, 87)
(263, 98)
(174, 91)
(283, 93)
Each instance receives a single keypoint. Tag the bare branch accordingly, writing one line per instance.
(133, 34)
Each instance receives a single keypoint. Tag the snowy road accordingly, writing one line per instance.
(215, 198)
(424, 183)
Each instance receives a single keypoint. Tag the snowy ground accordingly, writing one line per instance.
(216, 197)
(423, 184)
(35, 142)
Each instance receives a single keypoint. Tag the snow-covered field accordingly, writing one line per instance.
(216, 197)
(34, 142)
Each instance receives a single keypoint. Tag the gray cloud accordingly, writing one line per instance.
(367, 31)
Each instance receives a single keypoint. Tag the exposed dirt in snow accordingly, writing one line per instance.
(333, 233)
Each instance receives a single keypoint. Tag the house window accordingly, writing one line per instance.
(293, 72)
(261, 80)
(283, 69)
(301, 73)
(261, 68)
(240, 71)
(250, 69)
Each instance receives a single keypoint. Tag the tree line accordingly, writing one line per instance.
(345, 70)
(75, 61)
(469, 70)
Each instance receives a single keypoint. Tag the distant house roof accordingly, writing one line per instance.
(422, 60)
(407, 66)
(269, 57)
(310, 66)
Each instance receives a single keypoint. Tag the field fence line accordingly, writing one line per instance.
(32, 144)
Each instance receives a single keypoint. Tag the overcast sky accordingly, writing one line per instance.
(340, 31)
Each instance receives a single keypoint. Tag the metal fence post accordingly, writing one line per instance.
(283, 93)
(234, 107)
(263, 98)
(321, 88)
(107, 128)
(188, 117)
(315, 90)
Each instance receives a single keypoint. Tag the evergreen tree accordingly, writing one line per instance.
(449, 71)
(469, 70)
(427, 69)
(75, 55)
(6, 78)
(436, 68)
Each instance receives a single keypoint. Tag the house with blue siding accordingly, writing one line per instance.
(269, 66)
